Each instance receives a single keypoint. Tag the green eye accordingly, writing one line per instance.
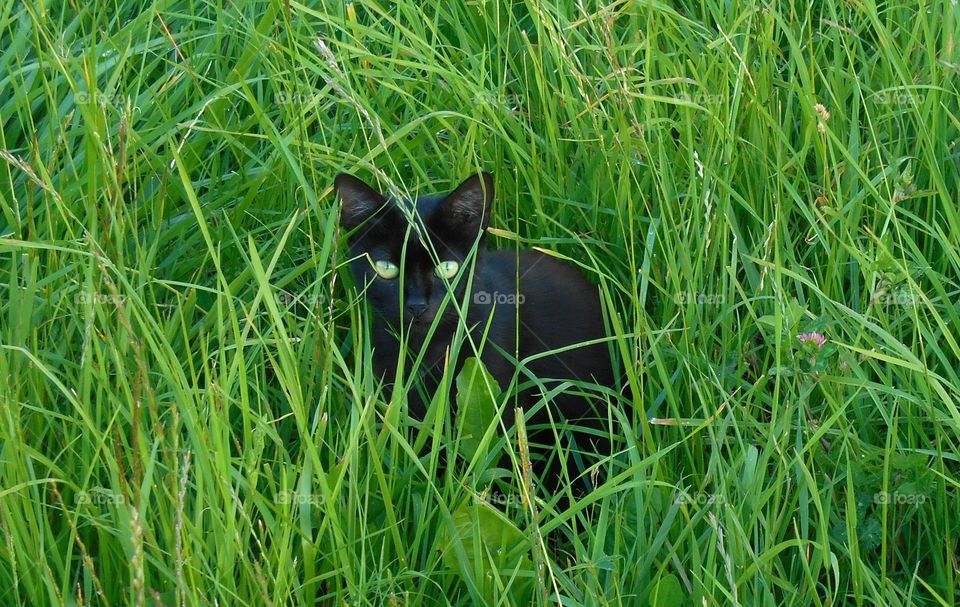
(447, 269)
(386, 270)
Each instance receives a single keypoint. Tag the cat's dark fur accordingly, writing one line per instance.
(555, 306)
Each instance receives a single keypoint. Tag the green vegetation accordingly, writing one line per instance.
(187, 411)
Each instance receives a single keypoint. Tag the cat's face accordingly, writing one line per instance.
(406, 270)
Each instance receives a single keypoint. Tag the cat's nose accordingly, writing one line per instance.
(416, 308)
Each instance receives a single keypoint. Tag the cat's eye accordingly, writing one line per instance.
(447, 269)
(386, 270)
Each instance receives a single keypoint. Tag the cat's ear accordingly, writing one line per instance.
(467, 209)
(359, 201)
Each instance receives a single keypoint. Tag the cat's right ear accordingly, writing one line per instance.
(466, 210)
(359, 201)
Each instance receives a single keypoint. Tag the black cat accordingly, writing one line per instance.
(405, 283)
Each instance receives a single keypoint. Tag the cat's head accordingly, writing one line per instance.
(406, 269)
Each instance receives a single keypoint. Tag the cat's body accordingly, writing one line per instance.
(564, 310)
(554, 307)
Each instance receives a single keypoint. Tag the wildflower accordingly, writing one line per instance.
(812, 337)
(824, 117)
(822, 110)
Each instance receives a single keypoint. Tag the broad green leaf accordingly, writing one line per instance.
(496, 553)
(667, 592)
(476, 406)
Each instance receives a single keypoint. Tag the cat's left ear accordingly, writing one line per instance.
(467, 209)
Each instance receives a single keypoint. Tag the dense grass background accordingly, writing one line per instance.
(186, 412)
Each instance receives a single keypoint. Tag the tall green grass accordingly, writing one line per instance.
(187, 411)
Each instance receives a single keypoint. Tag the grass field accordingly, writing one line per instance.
(187, 410)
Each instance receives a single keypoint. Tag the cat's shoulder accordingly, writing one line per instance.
(535, 265)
